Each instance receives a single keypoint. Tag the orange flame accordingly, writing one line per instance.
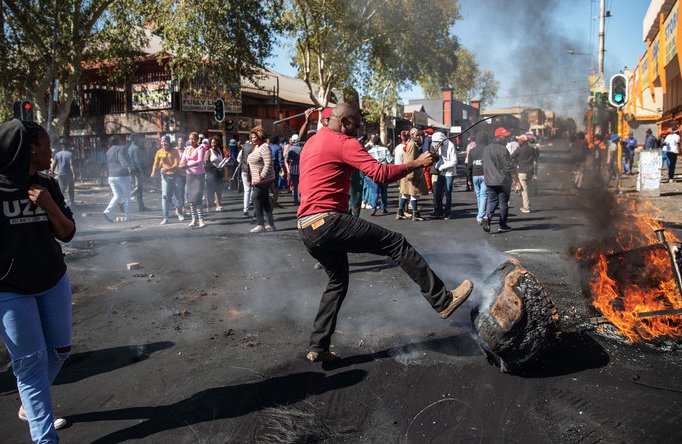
(637, 285)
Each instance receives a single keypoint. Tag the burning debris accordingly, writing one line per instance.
(519, 321)
(635, 281)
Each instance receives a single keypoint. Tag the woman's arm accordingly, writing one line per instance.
(62, 226)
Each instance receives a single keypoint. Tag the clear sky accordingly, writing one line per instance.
(524, 42)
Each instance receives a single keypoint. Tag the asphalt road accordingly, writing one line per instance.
(206, 342)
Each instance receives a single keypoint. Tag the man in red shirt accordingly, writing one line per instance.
(329, 233)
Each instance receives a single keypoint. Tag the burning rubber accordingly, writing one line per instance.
(517, 320)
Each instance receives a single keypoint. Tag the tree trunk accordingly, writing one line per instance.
(383, 129)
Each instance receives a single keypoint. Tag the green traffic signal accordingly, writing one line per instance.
(618, 90)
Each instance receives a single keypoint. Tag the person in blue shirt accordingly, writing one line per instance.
(278, 164)
(650, 142)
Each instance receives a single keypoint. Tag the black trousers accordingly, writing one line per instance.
(498, 195)
(341, 234)
(673, 160)
(137, 192)
(261, 203)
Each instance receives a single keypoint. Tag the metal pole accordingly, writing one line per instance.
(619, 153)
(602, 26)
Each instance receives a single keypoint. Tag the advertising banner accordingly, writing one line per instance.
(152, 95)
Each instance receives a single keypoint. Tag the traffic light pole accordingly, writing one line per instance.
(620, 149)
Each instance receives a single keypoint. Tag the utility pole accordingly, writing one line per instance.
(602, 26)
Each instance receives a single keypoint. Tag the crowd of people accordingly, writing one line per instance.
(193, 173)
(608, 158)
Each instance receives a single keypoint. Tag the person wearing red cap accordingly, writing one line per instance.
(499, 175)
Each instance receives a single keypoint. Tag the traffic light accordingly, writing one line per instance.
(27, 110)
(229, 125)
(618, 90)
(219, 110)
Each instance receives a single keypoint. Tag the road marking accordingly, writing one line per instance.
(530, 251)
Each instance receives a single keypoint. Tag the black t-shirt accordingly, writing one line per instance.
(31, 259)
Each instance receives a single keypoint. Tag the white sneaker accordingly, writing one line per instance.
(202, 224)
(257, 229)
(164, 222)
(270, 228)
(193, 223)
(59, 423)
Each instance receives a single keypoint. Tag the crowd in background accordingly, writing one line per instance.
(194, 171)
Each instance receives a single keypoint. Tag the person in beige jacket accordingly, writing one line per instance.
(413, 185)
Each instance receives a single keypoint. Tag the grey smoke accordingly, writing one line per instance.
(524, 43)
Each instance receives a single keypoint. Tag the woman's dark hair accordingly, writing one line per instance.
(259, 132)
(34, 131)
(218, 142)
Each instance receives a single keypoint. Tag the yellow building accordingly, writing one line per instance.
(655, 88)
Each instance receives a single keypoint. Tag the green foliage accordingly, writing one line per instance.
(210, 42)
(345, 42)
(214, 42)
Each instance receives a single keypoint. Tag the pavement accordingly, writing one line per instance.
(206, 341)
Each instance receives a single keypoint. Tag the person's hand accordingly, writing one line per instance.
(426, 159)
(308, 112)
(40, 196)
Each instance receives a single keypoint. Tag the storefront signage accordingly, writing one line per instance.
(670, 28)
(152, 95)
(204, 102)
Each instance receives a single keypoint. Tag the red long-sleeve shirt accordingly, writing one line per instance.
(327, 162)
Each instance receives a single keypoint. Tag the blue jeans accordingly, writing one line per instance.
(170, 188)
(447, 182)
(377, 190)
(481, 196)
(665, 162)
(367, 190)
(34, 328)
(120, 186)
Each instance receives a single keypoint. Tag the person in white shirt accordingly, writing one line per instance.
(672, 144)
(379, 190)
(447, 170)
(400, 149)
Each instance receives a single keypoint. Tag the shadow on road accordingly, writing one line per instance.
(455, 345)
(220, 402)
(574, 353)
(82, 365)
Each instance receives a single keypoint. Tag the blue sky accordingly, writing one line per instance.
(510, 38)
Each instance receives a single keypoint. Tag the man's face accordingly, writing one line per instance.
(351, 124)
(41, 154)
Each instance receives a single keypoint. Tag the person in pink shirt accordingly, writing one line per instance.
(193, 161)
(329, 233)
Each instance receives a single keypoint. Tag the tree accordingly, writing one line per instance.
(215, 40)
(341, 42)
(50, 39)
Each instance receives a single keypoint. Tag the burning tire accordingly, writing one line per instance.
(518, 321)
